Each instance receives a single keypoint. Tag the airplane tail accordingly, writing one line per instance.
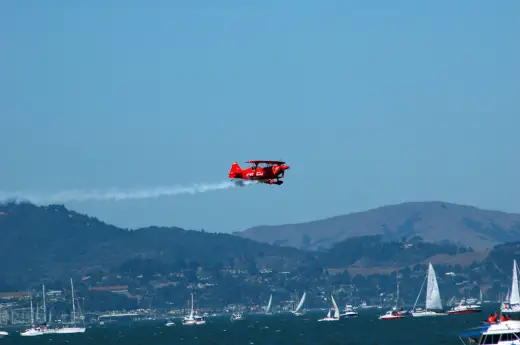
(236, 171)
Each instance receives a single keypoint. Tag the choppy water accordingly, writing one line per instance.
(366, 329)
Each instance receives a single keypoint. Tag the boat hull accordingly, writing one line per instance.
(461, 312)
(31, 333)
(328, 319)
(348, 315)
(70, 330)
(427, 313)
(514, 309)
(392, 317)
(193, 323)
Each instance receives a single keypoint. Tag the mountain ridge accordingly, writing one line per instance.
(435, 221)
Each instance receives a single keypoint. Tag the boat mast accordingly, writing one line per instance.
(397, 295)
(44, 306)
(32, 312)
(73, 304)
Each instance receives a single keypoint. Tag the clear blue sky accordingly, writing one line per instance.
(370, 102)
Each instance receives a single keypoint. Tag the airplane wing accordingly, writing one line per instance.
(264, 161)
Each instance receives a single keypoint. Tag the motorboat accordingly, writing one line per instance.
(349, 311)
(500, 333)
(393, 314)
(237, 317)
(464, 308)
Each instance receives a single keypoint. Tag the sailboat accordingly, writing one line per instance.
(298, 311)
(394, 313)
(269, 305)
(34, 330)
(193, 319)
(72, 328)
(433, 296)
(336, 312)
(514, 298)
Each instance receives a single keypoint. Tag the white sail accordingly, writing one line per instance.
(514, 298)
(336, 309)
(268, 309)
(328, 314)
(192, 313)
(300, 305)
(433, 296)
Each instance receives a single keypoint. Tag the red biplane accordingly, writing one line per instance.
(268, 172)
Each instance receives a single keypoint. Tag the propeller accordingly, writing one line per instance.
(283, 171)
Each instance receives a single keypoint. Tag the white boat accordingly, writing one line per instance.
(237, 316)
(193, 319)
(395, 313)
(3, 334)
(502, 333)
(513, 303)
(34, 330)
(433, 296)
(349, 311)
(298, 311)
(170, 323)
(268, 309)
(336, 312)
(71, 328)
(465, 308)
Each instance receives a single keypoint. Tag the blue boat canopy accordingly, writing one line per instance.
(468, 334)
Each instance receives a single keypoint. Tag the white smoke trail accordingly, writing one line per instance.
(113, 194)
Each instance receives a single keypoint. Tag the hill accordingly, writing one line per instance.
(433, 221)
(49, 243)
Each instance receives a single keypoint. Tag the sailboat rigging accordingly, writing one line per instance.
(73, 328)
(433, 296)
(193, 319)
(298, 311)
(513, 305)
(336, 312)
